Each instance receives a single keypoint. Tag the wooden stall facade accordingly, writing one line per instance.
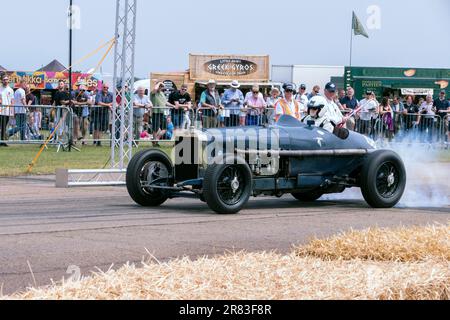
(222, 68)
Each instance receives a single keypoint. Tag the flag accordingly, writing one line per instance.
(358, 27)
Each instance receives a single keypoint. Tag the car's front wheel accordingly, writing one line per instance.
(383, 179)
(227, 188)
(147, 171)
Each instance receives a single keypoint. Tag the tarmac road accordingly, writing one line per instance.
(47, 230)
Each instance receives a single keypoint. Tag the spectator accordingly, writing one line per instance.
(271, 102)
(61, 97)
(427, 119)
(80, 100)
(182, 102)
(442, 106)
(385, 111)
(166, 134)
(315, 92)
(349, 102)
(256, 105)
(35, 118)
(20, 110)
(341, 95)
(210, 103)
(6, 111)
(397, 110)
(331, 110)
(369, 108)
(288, 106)
(233, 102)
(302, 97)
(100, 115)
(141, 105)
(411, 114)
(159, 102)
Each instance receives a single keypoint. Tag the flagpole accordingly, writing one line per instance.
(351, 42)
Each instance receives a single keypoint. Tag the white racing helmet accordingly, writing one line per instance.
(317, 102)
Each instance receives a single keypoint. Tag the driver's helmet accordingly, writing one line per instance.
(317, 102)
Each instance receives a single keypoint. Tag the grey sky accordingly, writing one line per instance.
(413, 33)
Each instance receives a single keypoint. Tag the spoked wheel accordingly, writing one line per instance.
(388, 179)
(149, 172)
(227, 188)
(383, 179)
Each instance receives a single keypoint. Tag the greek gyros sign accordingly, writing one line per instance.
(231, 67)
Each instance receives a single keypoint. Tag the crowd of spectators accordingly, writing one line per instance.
(158, 114)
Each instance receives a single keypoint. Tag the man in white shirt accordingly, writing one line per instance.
(20, 110)
(369, 108)
(6, 111)
(142, 105)
(302, 97)
(331, 111)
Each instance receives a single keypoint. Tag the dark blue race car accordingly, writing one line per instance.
(225, 167)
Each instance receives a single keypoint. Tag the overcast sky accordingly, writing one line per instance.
(412, 33)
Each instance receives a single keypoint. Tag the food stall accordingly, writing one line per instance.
(247, 69)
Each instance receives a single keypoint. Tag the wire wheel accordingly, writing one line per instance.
(388, 180)
(231, 185)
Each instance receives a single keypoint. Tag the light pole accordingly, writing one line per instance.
(70, 45)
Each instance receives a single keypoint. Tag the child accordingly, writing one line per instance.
(168, 133)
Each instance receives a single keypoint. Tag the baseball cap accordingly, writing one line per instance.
(289, 87)
(330, 87)
(303, 86)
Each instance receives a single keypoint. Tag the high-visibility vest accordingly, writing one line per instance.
(287, 110)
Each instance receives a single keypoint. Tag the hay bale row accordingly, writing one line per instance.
(400, 264)
(400, 244)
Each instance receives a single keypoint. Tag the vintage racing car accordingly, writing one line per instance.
(225, 167)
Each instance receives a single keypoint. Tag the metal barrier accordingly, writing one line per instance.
(35, 124)
(412, 128)
(222, 118)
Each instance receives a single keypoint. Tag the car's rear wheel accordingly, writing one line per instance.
(147, 170)
(227, 188)
(310, 196)
(383, 179)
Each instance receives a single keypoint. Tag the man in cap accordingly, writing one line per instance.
(210, 105)
(288, 106)
(331, 111)
(233, 102)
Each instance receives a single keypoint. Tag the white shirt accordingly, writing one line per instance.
(428, 108)
(303, 99)
(332, 112)
(7, 95)
(368, 109)
(19, 95)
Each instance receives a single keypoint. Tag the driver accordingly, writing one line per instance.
(316, 113)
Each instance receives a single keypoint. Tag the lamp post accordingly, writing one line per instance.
(70, 45)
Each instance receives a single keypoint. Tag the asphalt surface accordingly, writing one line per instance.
(44, 230)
